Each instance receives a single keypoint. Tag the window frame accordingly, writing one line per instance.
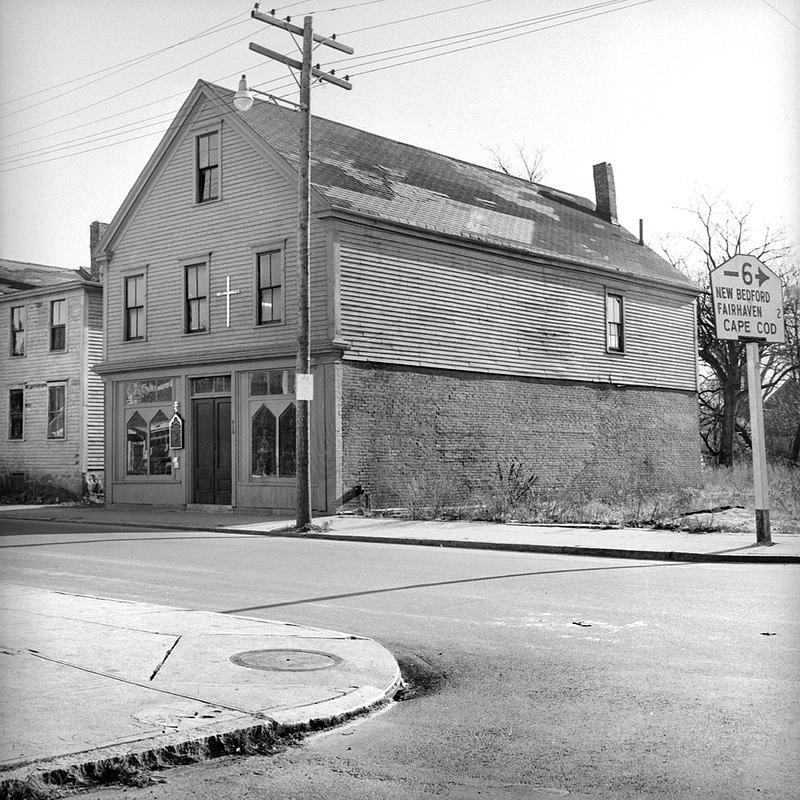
(141, 307)
(202, 285)
(12, 415)
(54, 414)
(620, 333)
(278, 252)
(201, 171)
(277, 401)
(17, 333)
(62, 326)
(135, 402)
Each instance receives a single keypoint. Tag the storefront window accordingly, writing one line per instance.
(272, 424)
(137, 445)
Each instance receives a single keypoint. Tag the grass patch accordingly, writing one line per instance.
(514, 494)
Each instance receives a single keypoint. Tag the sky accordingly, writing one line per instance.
(682, 97)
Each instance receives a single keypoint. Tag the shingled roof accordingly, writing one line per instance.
(371, 175)
(20, 276)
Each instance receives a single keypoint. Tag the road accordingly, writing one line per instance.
(539, 676)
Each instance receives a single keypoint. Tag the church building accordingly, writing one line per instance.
(460, 318)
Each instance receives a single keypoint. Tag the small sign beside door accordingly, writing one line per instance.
(176, 432)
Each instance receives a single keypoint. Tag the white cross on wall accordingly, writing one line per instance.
(227, 295)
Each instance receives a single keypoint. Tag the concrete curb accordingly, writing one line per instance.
(515, 547)
(247, 735)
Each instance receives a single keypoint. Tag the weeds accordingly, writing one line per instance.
(514, 494)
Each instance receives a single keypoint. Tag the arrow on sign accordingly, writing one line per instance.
(760, 276)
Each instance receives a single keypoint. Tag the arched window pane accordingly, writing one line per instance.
(160, 459)
(286, 431)
(263, 436)
(137, 446)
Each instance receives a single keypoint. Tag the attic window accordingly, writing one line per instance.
(207, 162)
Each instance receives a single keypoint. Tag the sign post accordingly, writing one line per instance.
(748, 307)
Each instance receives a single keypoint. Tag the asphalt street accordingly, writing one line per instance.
(535, 675)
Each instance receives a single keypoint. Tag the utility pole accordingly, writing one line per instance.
(304, 387)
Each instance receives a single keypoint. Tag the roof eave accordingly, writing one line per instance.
(579, 265)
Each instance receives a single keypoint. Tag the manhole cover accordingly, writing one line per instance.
(286, 660)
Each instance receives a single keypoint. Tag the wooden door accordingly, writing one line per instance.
(211, 441)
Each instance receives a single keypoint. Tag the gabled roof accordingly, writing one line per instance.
(368, 174)
(20, 276)
(356, 172)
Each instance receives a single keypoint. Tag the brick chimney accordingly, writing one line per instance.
(605, 192)
(96, 231)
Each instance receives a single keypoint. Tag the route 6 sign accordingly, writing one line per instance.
(748, 301)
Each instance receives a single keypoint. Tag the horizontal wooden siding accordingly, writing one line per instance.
(425, 303)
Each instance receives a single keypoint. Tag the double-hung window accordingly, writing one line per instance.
(18, 331)
(58, 325)
(196, 297)
(16, 413)
(615, 323)
(270, 288)
(134, 307)
(56, 411)
(207, 166)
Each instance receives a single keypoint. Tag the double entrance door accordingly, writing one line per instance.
(211, 437)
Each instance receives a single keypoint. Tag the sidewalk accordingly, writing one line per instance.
(92, 685)
(640, 543)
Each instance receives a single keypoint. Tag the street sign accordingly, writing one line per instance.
(748, 301)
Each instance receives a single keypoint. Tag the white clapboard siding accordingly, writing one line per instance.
(35, 454)
(94, 384)
(425, 303)
(258, 207)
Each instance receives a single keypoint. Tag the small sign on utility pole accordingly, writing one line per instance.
(748, 307)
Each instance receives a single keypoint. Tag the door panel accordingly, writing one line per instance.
(222, 472)
(211, 430)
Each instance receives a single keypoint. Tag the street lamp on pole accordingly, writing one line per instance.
(243, 101)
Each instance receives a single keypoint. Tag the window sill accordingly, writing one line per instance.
(275, 323)
(145, 479)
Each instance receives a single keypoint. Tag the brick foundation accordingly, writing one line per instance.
(430, 428)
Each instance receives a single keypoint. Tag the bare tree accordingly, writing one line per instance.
(720, 232)
(525, 162)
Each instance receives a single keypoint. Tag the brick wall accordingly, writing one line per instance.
(446, 428)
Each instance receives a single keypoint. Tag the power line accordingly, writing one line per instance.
(481, 33)
(178, 94)
(129, 89)
(781, 14)
(461, 38)
(417, 16)
(337, 8)
(116, 67)
(172, 126)
(502, 39)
